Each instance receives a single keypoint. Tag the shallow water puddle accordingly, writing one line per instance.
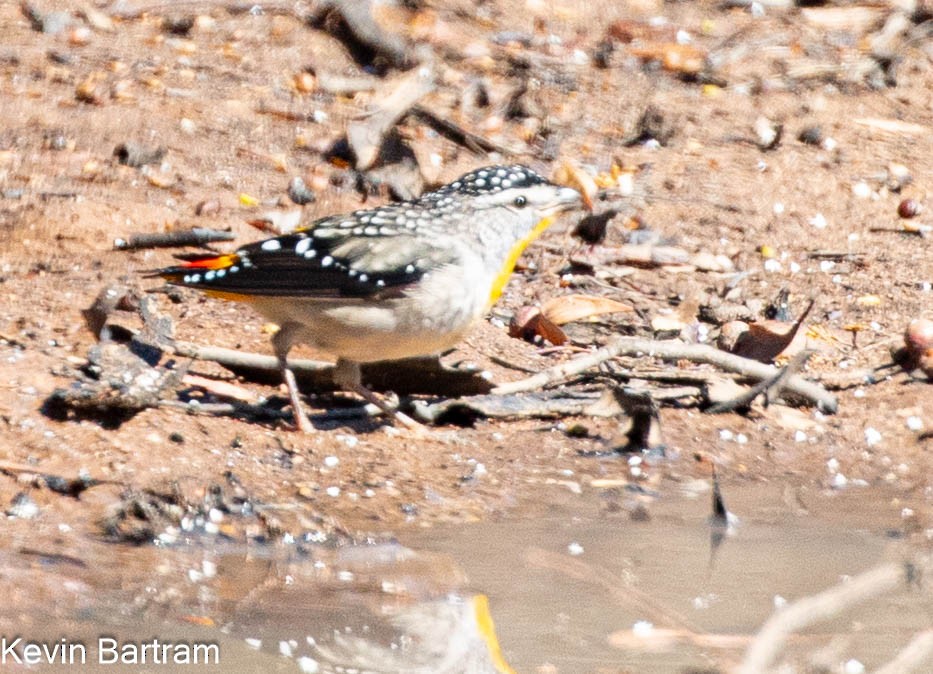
(582, 591)
(583, 588)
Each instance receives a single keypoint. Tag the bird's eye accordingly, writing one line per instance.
(520, 202)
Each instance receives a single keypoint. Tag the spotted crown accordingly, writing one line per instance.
(491, 179)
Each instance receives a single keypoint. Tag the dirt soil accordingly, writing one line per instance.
(225, 97)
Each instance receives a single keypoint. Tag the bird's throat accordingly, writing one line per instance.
(509, 264)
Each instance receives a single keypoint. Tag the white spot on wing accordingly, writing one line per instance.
(302, 246)
(271, 245)
(327, 261)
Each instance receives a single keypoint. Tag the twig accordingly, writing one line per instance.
(456, 133)
(196, 236)
(823, 606)
(366, 136)
(60, 485)
(771, 387)
(914, 654)
(239, 360)
(697, 353)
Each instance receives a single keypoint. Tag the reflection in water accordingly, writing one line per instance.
(581, 589)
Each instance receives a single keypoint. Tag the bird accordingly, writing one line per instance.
(401, 280)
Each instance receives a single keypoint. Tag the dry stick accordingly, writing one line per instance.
(914, 654)
(456, 133)
(697, 353)
(232, 359)
(196, 236)
(770, 387)
(770, 639)
(393, 101)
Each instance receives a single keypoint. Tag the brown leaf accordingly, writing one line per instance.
(569, 308)
(766, 340)
(529, 323)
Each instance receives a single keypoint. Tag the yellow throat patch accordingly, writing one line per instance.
(502, 277)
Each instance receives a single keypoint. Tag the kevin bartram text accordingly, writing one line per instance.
(107, 650)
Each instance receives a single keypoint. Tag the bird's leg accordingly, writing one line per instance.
(282, 344)
(347, 377)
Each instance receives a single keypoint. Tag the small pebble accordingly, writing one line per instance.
(915, 423)
(331, 461)
(818, 221)
(575, 549)
(333, 492)
(308, 665)
(772, 265)
(642, 628)
(811, 135)
(861, 189)
(299, 193)
(853, 666)
(872, 436)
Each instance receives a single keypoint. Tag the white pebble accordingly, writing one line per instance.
(840, 481)
(800, 436)
(872, 436)
(741, 438)
(858, 393)
(818, 221)
(333, 491)
(853, 666)
(833, 465)
(575, 549)
(826, 266)
(778, 208)
(861, 189)
(794, 268)
(779, 601)
(331, 461)
(285, 649)
(255, 644)
(308, 665)
(772, 265)
(725, 434)
(642, 628)
(915, 423)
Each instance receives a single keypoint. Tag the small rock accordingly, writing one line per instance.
(299, 193)
(811, 135)
(23, 507)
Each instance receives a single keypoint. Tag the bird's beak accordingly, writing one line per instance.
(566, 199)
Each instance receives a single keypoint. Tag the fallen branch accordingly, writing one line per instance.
(697, 353)
(196, 236)
(771, 387)
(457, 134)
(770, 639)
(914, 654)
(366, 136)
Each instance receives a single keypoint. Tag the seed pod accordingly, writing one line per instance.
(909, 208)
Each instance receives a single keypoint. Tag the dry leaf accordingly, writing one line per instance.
(529, 323)
(569, 308)
(571, 175)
